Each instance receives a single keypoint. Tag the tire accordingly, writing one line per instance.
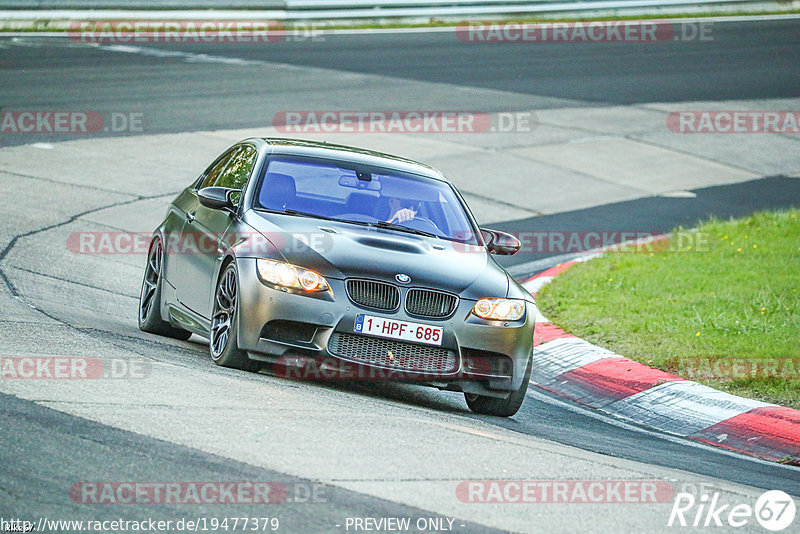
(150, 297)
(507, 407)
(223, 344)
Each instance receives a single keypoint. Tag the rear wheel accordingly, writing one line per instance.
(507, 407)
(224, 348)
(150, 297)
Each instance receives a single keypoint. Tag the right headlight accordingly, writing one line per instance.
(287, 275)
(499, 309)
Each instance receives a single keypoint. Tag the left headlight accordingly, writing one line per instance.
(285, 274)
(499, 309)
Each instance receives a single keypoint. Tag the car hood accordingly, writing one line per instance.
(341, 250)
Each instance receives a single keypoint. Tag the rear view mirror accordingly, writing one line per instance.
(500, 243)
(358, 183)
(217, 198)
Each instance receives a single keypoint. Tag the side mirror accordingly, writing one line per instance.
(500, 243)
(217, 198)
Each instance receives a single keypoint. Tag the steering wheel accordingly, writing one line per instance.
(431, 226)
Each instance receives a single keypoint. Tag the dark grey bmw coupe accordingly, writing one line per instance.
(301, 255)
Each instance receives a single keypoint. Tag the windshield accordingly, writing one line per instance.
(359, 194)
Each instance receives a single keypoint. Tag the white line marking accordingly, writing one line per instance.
(188, 57)
(538, 318)
(534, 285)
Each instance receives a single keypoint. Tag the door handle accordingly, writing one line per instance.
(190, 216)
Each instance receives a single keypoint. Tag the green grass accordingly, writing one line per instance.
(728, 293)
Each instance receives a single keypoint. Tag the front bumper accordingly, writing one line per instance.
(293, 330)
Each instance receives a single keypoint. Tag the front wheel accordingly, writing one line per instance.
(150, 297)
(224, 348)
(507, 407)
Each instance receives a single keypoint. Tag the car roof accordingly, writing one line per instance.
(301, 147)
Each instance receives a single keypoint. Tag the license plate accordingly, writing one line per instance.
(403, 330)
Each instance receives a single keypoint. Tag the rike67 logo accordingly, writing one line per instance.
(774, 510)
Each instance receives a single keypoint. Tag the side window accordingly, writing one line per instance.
(238, 171)
(213, 173)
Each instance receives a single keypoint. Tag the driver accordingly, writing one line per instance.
(399, 213)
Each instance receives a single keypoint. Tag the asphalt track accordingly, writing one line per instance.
(653, 215)
(743, 61)
(44, 451)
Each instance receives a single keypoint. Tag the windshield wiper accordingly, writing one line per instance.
(400, 227)
(378, 224)
(289, 211)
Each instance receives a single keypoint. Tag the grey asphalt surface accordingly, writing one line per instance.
(742, 61)
(654, 215)
(37, 471)
(79, 311)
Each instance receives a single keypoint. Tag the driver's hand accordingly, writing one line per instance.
(402, 215)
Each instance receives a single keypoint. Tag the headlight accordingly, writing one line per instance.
(287, 275)
(499, 309)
